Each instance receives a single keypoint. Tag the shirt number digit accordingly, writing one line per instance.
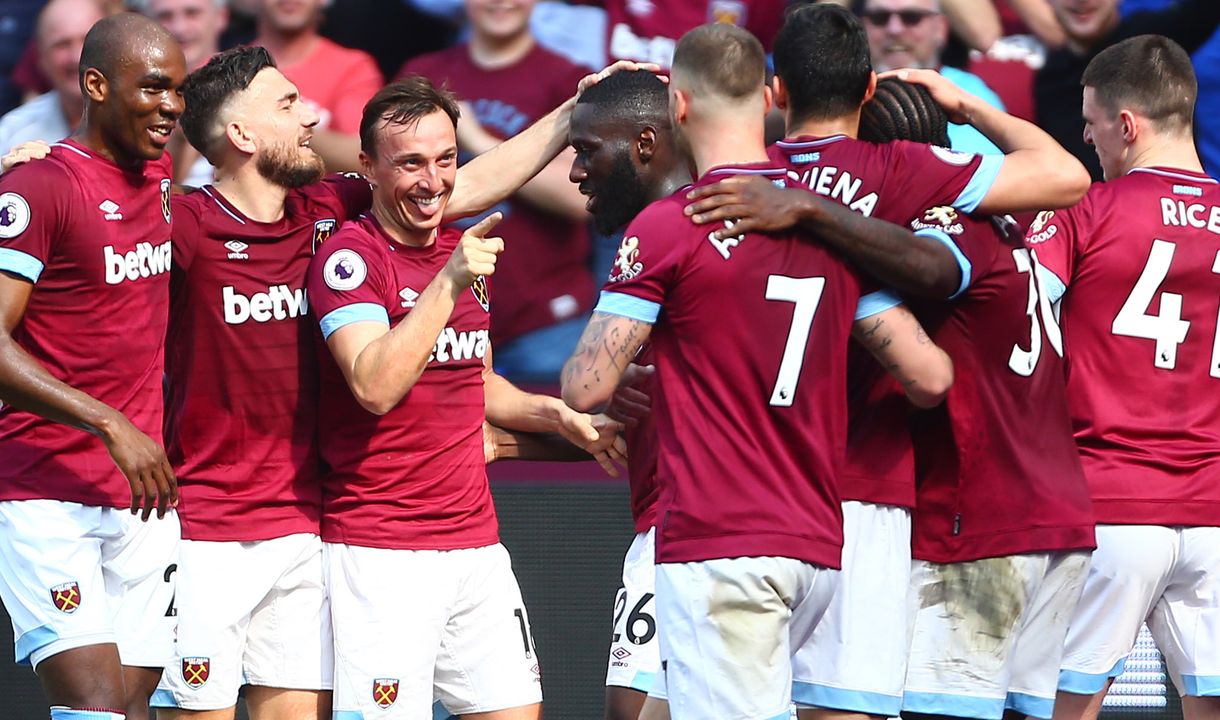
(806, 293)
(1166, 328)
(1022, 361)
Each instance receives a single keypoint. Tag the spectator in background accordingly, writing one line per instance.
(1090, 27)
(648, 30)
(17, 21)
(912, 33)
(60, 34)
(336, 81)
(543, 289)
(197, 26)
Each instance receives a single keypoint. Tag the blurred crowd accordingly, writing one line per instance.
(511, 61)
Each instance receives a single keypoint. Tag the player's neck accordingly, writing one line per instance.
(72, 105)
(397, 231)
(490, 53)
(287, 48)
(848, 125)
(726, 143)
(253, 195)
(1173, 153)
(671, 184)
(91, 136)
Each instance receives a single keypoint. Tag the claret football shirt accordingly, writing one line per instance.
(414, 478)
(750, 336)
(896, 182)
(1139, 258)
(241, 370)
(94, 239)
(996, 466)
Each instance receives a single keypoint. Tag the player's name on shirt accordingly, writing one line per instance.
(1179, 213)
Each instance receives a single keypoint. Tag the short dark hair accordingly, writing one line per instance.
(1150, 74)
(208, 89)
(722, 59)
(404, 102)
(903, 111)
(821, 53)
(109, 43)
(629, 94)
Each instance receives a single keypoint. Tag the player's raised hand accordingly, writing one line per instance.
(23, 153)
(142, 461)
(630, 404)
(475, 255)
(747, 204)
(949, 96)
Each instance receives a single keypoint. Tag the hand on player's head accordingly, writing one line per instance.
(23, 153)
(475, 255)
(949, 96)
(592, 79)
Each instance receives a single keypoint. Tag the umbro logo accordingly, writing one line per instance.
(237, 250)
(110, 210)
(408, 296)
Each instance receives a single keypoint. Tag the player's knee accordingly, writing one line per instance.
(85, 677)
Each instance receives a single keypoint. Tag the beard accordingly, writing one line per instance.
(621, 197)
(282, 165)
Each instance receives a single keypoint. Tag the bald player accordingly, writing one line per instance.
(84, 274)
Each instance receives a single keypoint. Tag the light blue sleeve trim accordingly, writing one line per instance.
(347, 715)
(876, 302)
(628, 306)
(1030, 705)
(1080, 683)
(33, 640)
(980, 184)
(19, 263)
(348, 314)
(1202, 685)
(855, 701)
(963, 263)
(1052, 284)
(964, 706)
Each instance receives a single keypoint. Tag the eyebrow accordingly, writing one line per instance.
(157, 79)
(289, 96)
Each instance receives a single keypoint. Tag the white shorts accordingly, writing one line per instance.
(74, 575)
(1167, 576)
(249, 613)
(635, 655)
(988, 635)
(729, 629)
(414, 626)
(857, 661)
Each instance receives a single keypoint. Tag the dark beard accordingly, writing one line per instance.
(620, 198)
(281, 167)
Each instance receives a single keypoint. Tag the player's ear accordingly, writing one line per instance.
(681, 106)
(1131, 125)
(646, 143)
(95, 85)
(240, 138)
(366, 166)
(780, 92)
(767, 99)
(871, 89)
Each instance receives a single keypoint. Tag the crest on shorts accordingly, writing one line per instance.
(195, 671)
(479, 288)
(66, 597)
(165, 187)
(322, 230)
(385, 691)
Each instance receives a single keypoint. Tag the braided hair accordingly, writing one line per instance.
(903, 111)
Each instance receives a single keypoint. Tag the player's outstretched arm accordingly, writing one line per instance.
(608, 345)
(509, 407)
(502, 170)
(1037, 173)
(382, 364)
(899, 343)
(25, 384)
(894, 255)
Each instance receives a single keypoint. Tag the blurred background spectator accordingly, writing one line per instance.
(335, 80)
(543, 289)
(1090, 26)
(912, 33)
(17, 21)
(53, 115)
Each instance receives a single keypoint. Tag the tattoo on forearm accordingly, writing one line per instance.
(604, 345)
